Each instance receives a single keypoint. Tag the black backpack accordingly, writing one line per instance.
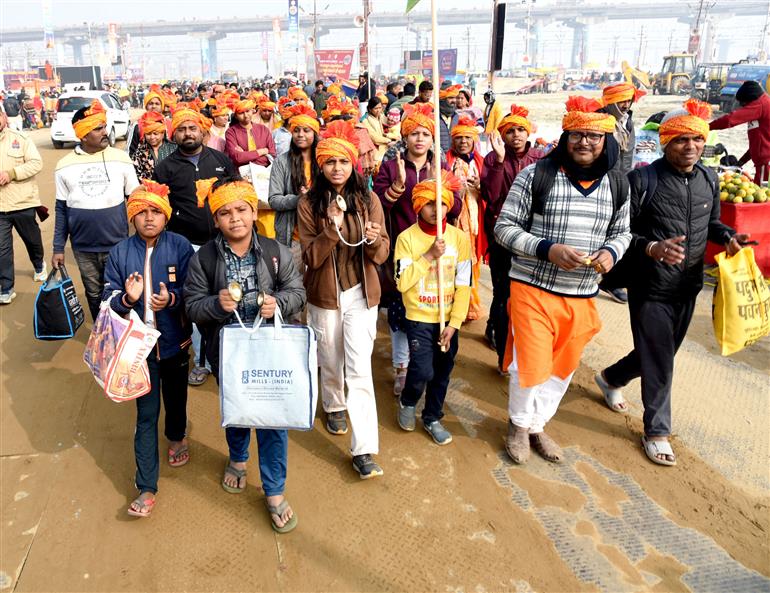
(270, 255)
(12, 107)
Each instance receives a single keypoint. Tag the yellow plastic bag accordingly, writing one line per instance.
(741, 310)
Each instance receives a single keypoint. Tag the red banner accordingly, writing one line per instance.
(333, 62)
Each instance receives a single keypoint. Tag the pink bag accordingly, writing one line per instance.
(117, 352)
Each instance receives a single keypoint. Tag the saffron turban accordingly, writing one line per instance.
(621, 91)
(244, 105)
(303, 116)
(517, 118)
(151, 121)
(338, 140)
(465, 126)
(334, 89)
(95, 116)
(296, 93)
(155, 93)
(582, 114)
(450, 91)
(218, 107)
(419, 115)
(149, 193)
(224, 194)
(425, 192)
(182, 115)
(691, 119)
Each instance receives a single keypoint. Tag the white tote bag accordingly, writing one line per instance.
(268, 375)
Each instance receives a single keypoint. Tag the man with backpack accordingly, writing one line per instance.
(566, 220)
(674, 210)
(12, 108)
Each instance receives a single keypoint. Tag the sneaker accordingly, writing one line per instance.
(619, 295)
(366, 467)
(441, 435)
(336, 423)
(7, 297)
(399, 380)
(406, 417)
(41, 275)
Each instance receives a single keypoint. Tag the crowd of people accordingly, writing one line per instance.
(351, 223)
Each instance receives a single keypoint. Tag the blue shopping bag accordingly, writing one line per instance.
(58, 312)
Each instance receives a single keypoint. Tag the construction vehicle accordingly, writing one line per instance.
(675, 75)
(638, 78)
(708, 81)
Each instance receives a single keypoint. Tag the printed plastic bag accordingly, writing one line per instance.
(117, 351)
(741, 310)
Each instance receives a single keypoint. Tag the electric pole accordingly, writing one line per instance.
(468, 40)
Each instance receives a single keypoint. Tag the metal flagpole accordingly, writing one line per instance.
(437, 158)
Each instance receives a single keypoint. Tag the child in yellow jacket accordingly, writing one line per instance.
(431, 351)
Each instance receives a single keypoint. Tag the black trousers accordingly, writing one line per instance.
(25, 224)
(658, 329)
(499, 267)
(91, 266)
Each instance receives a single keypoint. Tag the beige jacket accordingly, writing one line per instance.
(377, 133)
(21, 160)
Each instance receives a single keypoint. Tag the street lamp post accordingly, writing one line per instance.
(91, 52)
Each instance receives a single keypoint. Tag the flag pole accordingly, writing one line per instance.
(437, 159)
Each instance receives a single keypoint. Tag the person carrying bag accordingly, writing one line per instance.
(58, 312)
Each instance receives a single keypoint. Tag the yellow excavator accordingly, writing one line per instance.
(638, 78)
(676, 74)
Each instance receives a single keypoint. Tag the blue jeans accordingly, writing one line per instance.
(168, 377)
(273, 450)
(429, 369)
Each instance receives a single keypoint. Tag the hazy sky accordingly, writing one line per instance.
(179, 56)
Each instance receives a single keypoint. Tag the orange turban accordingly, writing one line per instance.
(169, 98)
(218, 107)
(582, 114)
(333, 108)
(621, 91)
(206, 123)
(149, 193)
(425, 192)
(465, 126)
(304, 116)
(284, 109)
(256, 96)
(182, 115)
(451, 91)
(151, 121)
(334, 89)
(95, 116)
(339, 140)
(419, 115)
(692, 119)
(225, 194)
(155, 93)
(296, 93)
(231, 97)
(517, 118)
(383, 98)
(244, 105)
(265, 103)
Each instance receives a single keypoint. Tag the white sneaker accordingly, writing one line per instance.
(41, 275)
(7, 297)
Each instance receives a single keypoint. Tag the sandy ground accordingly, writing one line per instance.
(460, 518)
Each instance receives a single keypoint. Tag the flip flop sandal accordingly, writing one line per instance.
(198, 376)
(179, 457)
(240, 474)
(145, 507)
(278, 511)
(653, 448)
(612, 397)
(546, 447)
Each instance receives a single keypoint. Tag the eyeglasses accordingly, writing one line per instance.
(592, 138)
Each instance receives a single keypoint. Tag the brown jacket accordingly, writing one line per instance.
(319, 241)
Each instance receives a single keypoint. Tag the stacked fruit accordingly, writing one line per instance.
(736, 187)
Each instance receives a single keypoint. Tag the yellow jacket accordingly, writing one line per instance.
(21, 160)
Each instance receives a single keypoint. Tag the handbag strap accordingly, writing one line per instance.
(277, 320)
(61, 270)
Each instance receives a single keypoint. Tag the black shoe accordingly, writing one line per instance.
(336, 423)
(489, 334)
(619, 295)
(366, 467)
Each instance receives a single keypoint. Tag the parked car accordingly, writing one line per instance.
(737, 75)
(69, 103)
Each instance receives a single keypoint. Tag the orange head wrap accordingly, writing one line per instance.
(155, 92)
(265, 103)
(692, 119)
(95, 116)
(206, 123)
(231, 97)
(151, 121)
(621, 91)
(450, 91)
(218, 107)
(338, 140)
(182, 115)
(383, 98)
(304, 116)
(466, 126)
(169, 98)
(333, 108)
(256, 96)
(226, 193)
(244, 105)
(149, 193)
(425, 192)
(284, 109)
(419, 115)
(517, 118)
(582, 114)
(334, 89)
(296, 93)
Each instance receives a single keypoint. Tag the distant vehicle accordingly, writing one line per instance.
(229, 76)
(675, 75)
(634, 76)
(708, 81)
(69, 103)
(739, 74)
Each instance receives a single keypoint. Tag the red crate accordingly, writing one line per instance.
(747, 218)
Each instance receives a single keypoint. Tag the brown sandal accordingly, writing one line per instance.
(546, 447)
(517, 443)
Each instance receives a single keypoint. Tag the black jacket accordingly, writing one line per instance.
(180, 175)
(681, 204)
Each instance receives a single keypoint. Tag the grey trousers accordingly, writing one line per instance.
(91, 266)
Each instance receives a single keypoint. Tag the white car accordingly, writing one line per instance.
(69, 103)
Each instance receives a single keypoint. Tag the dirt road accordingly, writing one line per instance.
(459, 518)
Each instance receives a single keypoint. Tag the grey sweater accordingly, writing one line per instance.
(283, 199)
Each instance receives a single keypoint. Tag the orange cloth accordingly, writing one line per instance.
(582, 114)
(383, 98)
(621, 91)
(334, 89)
(449, 92)
(304, 116)
(333, 108)
(151, 121)
(339, 140)
(465, 126)
(425, 192)
(419, 115)
(517, 118)
(549, 331)
(225, 194)
(243, 106)
(95, 116)
(218, 107)
(182, 115)
(149, 193)
(155, 93)
(693, 119)
(296, 93)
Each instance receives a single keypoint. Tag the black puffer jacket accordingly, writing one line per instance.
(682, 204)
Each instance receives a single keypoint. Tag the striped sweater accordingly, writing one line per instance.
(584, 222)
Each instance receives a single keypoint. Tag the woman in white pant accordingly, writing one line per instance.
(343, 239)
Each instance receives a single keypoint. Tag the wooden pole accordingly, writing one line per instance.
(437, 157)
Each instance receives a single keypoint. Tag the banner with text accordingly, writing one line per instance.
(447, 63)
(333, 62)
(293, 16)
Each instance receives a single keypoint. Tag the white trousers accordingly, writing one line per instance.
(533, 407)
(346, 339)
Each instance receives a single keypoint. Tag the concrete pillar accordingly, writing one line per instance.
(209, 61)
(535, 48)
(77, 54)
(576, 57)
